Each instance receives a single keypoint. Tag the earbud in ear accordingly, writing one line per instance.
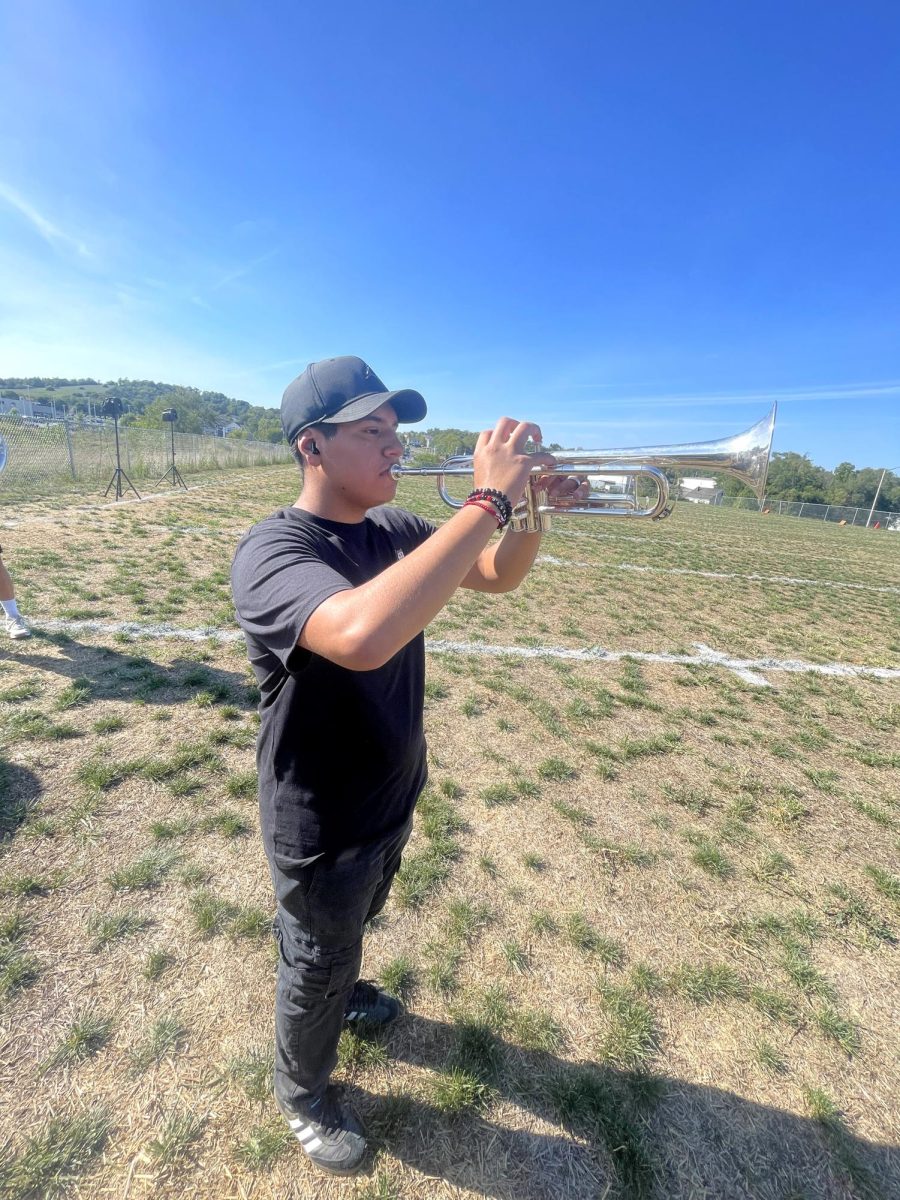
(313, 448)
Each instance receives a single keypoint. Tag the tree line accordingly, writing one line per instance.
(794, 476)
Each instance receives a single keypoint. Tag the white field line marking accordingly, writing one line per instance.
(826, 583)
(744, 668)
(135, 629)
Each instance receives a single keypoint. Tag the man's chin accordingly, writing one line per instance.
(383, 494)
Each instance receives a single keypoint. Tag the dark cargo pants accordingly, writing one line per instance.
(322, 908)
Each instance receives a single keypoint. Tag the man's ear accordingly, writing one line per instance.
(306, 444)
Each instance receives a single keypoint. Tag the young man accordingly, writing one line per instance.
(333, 595)
(13, 621)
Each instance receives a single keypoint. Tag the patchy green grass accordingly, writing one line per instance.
(707, 983)
(630, 1038)
(86, 1036)
(455, 1092)
(115, 926)
(227, 822)
(18, 967)
(145, 872)
(166, 1033)
(176, 1134)
(51, 1160)
(251, 1072)
(263, 1146)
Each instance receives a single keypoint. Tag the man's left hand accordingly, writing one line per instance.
(564, 490)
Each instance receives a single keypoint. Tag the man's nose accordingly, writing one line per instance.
(395, 448)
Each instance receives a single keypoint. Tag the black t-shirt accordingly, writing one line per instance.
(341, 754)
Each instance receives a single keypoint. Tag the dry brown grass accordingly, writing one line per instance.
(780, 783)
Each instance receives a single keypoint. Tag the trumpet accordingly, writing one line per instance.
(745, 456)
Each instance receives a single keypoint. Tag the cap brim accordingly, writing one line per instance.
(409, 406)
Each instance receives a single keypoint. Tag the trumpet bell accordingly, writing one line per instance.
(745, 457)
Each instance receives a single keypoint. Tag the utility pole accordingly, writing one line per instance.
(877, 494)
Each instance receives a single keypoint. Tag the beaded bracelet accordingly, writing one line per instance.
(487, 507)
(499, 499)
(502, 513)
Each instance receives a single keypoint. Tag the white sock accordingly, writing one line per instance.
(10, 608)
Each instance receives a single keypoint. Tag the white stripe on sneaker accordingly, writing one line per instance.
(351, 1016)
(305, 1135)
(295, 1123)
(313, 1145)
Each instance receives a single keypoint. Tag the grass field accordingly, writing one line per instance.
(646, 928)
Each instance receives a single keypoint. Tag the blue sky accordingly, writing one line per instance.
(631, 222)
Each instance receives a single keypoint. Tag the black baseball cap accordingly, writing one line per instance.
(338, 390)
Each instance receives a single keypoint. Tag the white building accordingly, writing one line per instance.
(699, 490)
(612, 483)
(25, 407)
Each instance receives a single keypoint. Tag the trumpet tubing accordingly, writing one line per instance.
(745, 457)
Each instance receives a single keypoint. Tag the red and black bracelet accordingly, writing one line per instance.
(488, 507)
(499, 500)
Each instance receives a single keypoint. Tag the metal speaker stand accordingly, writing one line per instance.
(113, 408)
(173, 475)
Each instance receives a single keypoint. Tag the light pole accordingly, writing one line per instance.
(878, 493)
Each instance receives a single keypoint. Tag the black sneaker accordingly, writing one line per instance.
(328, 1131)
(369, 1003)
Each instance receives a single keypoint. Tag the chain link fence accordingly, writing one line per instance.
(57, 456)
(838, 513)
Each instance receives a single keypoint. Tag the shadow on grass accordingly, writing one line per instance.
(20, 789)
(107, 674)
(629, 1135)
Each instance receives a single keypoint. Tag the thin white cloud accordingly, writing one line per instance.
(240, 272)
(55, 325)
(276, 366)
(849, 391)
(624, 423)
(48, 231)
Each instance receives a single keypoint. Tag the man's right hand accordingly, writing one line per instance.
(500, 460)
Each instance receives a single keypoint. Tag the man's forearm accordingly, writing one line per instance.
(505, 564)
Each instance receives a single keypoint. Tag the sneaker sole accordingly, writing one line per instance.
(338, 1172)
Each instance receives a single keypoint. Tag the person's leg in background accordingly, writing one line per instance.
(13, 622)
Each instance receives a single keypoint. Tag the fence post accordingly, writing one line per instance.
(800, 513)
(69, 449)
(855, 515)
(827, 507)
